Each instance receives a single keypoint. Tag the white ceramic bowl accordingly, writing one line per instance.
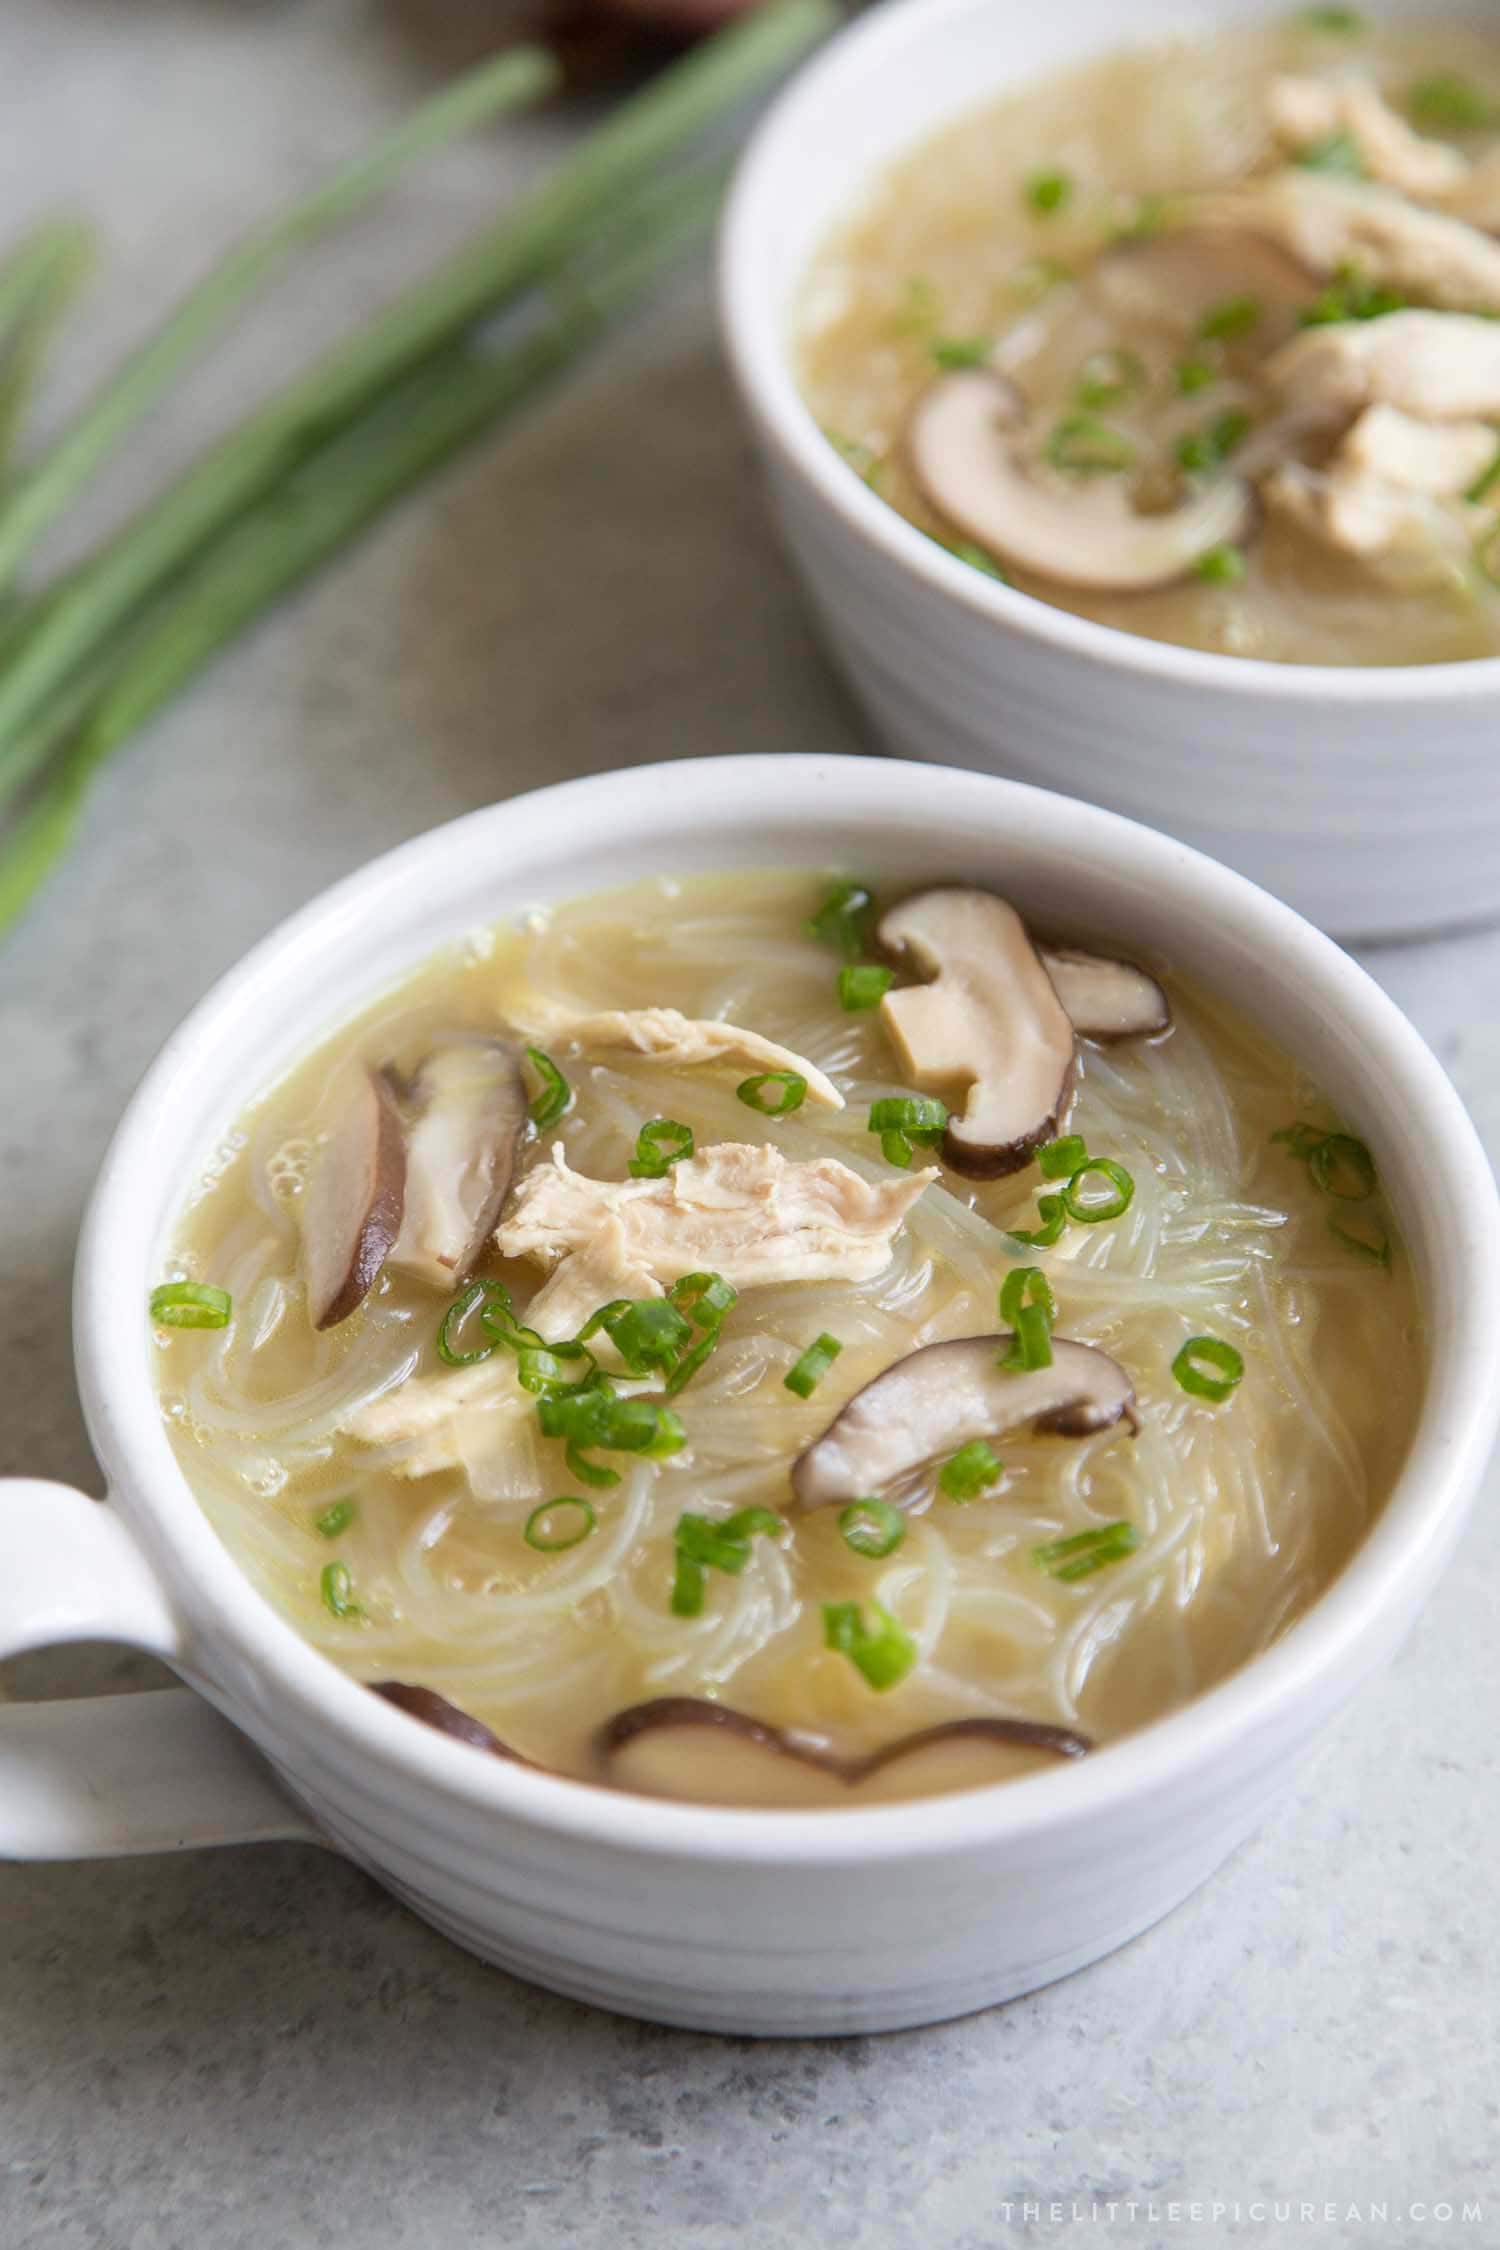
(1368, 799)
(784, 1922)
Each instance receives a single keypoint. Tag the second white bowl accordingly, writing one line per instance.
(1367, 799)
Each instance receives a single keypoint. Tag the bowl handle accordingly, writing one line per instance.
(100, 1776)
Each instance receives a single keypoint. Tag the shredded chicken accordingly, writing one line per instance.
(744, 1212)
(673, 1037)
(1364, 517)
(426, 1415)
(1441, 366)
(1477, 196)
(1442, 459)
(1305, 111)
(1329, 223)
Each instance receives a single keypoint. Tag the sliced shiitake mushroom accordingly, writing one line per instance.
(436, 1711)
(352, 1206)
(470, 1102)
(989, 1020)
(965, 442)
(941, 1396)
(1106, 999)
(686, 1747)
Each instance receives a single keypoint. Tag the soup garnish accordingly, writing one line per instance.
(1249, 398)
(657, 1452)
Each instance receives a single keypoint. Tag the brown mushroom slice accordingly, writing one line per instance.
(989, 1020)
(963, 1754)
(1175, 279)
(707, 1753)
(471, 1102)
(352, 1206)
(436, 1711)
(943, 1395)
(962, 446)
(1106, 999)
(685, 1747)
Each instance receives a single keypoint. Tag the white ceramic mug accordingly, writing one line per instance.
(1367, 798)
(775, 1922)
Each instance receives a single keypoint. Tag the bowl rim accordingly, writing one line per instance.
(1340, 1636)
(757, 345)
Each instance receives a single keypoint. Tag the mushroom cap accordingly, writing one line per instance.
(959, 443)
(989, 1019)
(471, 1102)
(436, 1711)
(941, 1396)
(352, 1206)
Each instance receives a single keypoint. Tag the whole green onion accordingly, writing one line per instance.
(191, 1304)
(1207, 1367)
(883, 1651)
(556, 1095)
(661, 1143)
(790, 1092)
(872, 1528)
(548, 1536)
(814, 1364)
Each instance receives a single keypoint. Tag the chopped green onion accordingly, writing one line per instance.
(334, 1519)
(863, 985)
(1086, 1551)
(977, 558)
(191, 1304)
(790, 1087)
(704, 1297)
(702, 1545)
(1109, 376)
(954, 353)
(1350, 297)
(1299, 1140)
(660, 1144)
(1087, 447)
(1208, 1367)
(1035, 277)
(814, 1364)
(883, 1651)
(1032, 1347)
(551, 1537)
(1230, 318)
(1027, 1285)
(595, 1417)
(1338, 153)
(477, 1293)
(556, 1095)
(1198, 451)
(861, 460)
(1451, 102)
(920, 305)
(872, 1528)
(844, 919)
(1108, 1207)
(1487, 555)
(1147, 219)
(1485, 483)
(1054, 1218)
(337, 1589)
(1194, 375)
(650, 1334)
(1377, 1252)
(1343, 1167)
(902, 1120)
(1048, 191)
(969, 1471)
(1060, 1159)
(1336, 23)
(1221, 566)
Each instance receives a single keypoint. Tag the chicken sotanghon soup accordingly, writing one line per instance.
(1199, 341)
(748, 1340)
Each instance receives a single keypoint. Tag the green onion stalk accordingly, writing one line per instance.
(535, 238)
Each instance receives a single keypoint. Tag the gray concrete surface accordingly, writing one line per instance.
(257, 2048)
